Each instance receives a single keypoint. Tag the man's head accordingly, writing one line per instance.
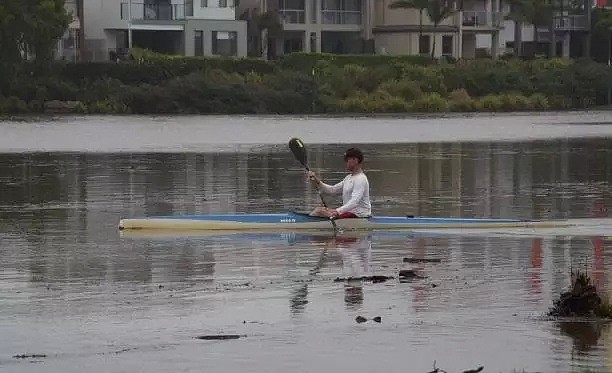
(353, 158)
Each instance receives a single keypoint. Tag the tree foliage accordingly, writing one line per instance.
(29, 30)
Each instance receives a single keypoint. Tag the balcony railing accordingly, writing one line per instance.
(481, 18)
(153, 12)
(570, 22)
(341, 17)
(292, 15)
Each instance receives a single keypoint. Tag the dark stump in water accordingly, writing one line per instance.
(581, 300)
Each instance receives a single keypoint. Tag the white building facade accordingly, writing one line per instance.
(182, 27)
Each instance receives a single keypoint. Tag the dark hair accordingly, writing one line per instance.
(353, 153)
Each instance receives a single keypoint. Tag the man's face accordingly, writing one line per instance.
(351, 163)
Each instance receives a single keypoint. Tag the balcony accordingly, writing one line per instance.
(153, 12)
(570, 22)
(481, 19)
(297, 16)
(341, 17)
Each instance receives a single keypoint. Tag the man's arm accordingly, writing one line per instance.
(326, 188)
(331, 189)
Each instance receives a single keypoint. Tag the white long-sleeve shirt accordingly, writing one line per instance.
(355, 194)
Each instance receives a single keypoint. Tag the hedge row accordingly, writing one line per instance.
(157, 84)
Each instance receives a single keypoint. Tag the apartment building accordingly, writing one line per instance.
(568, 36)
(186, 27)
(371, 26)
(474, 24)
(328, 26)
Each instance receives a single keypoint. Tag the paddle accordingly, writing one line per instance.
(299, 152)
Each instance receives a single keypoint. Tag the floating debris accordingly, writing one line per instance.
(29, 356)
(440, 370)
(581, 300)
(479, 369)
(422, 260)
(405, 274)
(361, 319)
(217, 337)
(375, 279)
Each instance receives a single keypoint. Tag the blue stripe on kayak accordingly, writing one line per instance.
(305, 218)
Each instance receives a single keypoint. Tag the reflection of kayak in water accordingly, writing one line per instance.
(290, 237)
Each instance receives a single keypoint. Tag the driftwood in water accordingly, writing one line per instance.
(374, 279)
(216, 337)
(422, 260)
(361, 319)
(26, 356)
(408, 274)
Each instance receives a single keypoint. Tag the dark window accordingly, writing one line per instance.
(424, 44)
(199, 43)
(447, 45)
(222, 3)
(224, 43)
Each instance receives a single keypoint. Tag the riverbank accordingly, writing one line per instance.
(306, 84)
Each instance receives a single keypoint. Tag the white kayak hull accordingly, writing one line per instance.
(299, 221)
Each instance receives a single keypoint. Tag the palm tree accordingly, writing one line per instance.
(437, 11)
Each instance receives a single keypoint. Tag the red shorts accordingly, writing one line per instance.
(346, 215)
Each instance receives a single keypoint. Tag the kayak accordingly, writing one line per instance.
(303, 221)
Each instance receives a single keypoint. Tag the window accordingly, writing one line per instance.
(198, 40)
(424, 44)
(224, 43)
(447, 45)
(203, 3)
(189, 8)
(222, 3)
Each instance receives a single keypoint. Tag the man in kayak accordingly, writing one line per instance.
(355, 190)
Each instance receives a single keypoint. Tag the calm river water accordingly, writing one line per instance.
(74, 289)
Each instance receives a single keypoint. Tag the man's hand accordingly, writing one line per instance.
(313, 177)
(333, 213)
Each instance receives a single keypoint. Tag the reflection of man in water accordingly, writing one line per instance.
(356, 253)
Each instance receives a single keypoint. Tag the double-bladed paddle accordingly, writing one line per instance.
(299, 152)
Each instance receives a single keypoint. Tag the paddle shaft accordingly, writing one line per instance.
(299, 152)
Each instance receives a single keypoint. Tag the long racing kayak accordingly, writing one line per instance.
(302, 221)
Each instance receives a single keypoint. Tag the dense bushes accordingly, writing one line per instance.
(304, 83)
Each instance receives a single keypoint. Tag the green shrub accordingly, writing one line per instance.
(107, 106)
(407, 89)
(489, 103)
(377, 102)
(13, 105)
(428, 78)
(430, 103)
(560, 102)
(538, 102)
(515, 102)
(460, 100)
(306, 62)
